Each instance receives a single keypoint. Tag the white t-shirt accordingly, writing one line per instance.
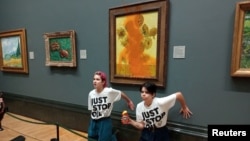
(157, 113)
(101, 104)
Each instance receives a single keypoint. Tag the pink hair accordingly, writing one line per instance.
(103, 77)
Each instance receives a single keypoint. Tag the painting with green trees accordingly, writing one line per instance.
(11, 52)
(245, 51)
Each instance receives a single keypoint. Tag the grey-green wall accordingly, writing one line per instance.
(205, 27)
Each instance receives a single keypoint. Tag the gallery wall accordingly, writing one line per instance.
(204, 27)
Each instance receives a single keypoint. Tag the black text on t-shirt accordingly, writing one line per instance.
(152, 116)
(99, 104)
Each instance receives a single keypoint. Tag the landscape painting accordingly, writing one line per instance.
(13, 52)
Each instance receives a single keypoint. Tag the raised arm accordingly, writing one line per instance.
(184, 108)
(128, 100)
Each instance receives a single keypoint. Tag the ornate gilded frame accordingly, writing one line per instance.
(138, 41)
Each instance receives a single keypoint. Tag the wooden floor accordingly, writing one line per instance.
(16, 125)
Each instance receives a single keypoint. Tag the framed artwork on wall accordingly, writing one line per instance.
(60, 49)
(13, 51)
(240, 65)
(138, 42)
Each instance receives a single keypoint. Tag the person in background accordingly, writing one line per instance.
(152, 113)
(100, 102)
(2, 110)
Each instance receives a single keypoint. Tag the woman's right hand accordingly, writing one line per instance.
(125, 117)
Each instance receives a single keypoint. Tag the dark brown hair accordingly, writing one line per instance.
(150, 86)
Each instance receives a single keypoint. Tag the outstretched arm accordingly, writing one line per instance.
(128, 100)
(184, 108)
(127, 120)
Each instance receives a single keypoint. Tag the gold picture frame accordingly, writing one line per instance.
(13, 51)
(240, 64)
(138, 42)
(60, 49)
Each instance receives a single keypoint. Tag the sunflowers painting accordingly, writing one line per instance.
(136, 37)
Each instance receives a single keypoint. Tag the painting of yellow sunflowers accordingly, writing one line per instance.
(138, 42)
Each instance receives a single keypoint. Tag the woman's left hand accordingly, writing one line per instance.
(186, 112)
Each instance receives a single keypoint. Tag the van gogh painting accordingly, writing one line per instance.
(138, 36)
(240, 66)
(13, 51)
(60, 49)
(245, 56)
(136, 45)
